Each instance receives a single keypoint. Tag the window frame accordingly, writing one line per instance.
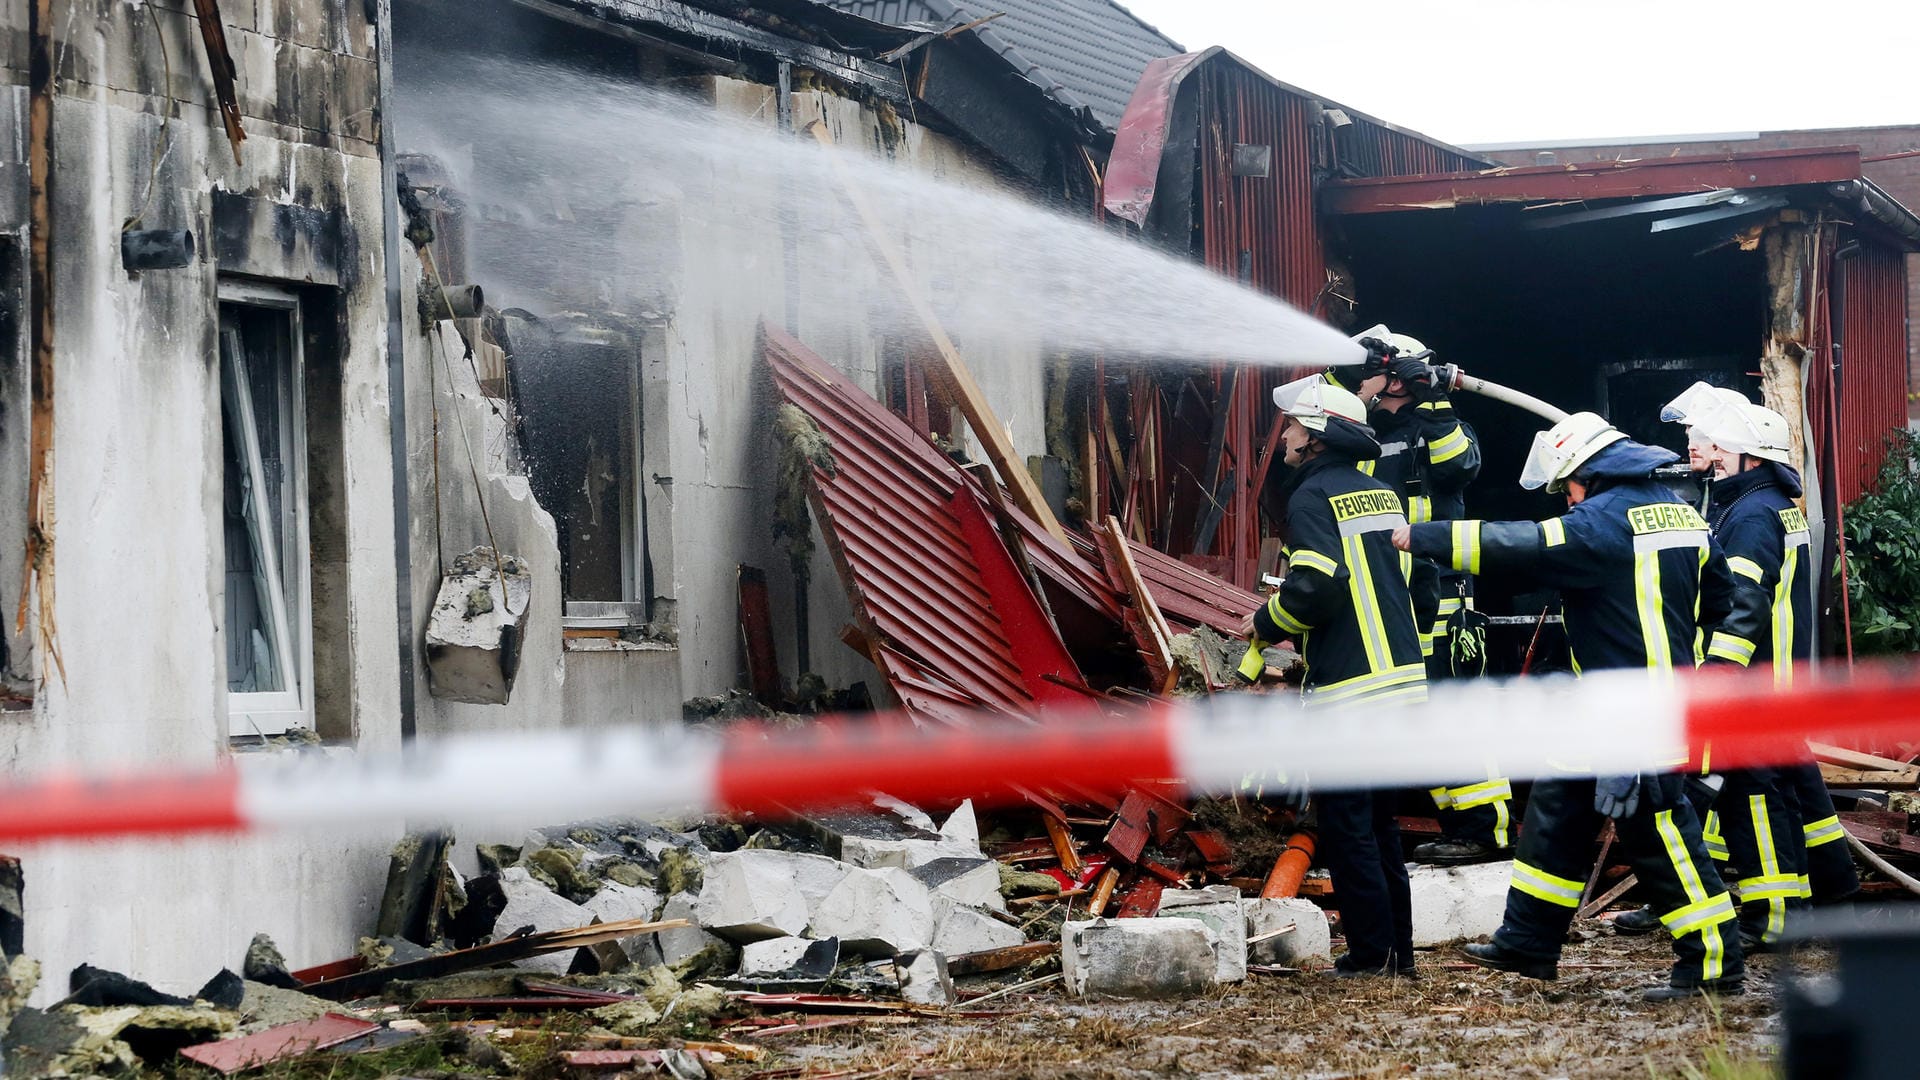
(634, 610)
(273, 712)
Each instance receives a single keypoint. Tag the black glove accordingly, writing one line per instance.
(1616, 797)
(1379, 356)
(1417, 377)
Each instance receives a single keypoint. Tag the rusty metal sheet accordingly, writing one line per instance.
(947, 616)
(230, 1056)
(1597, 180)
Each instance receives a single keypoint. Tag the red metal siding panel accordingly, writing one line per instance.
(1873, 366)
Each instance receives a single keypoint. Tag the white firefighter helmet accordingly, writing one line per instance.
(1314, 399)
(1559, 451)
(1729, 421)
(1404, 346)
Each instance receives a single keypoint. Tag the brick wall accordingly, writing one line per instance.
(1900, 177)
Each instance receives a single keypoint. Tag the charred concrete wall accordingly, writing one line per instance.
(685, 282)
(140, 579)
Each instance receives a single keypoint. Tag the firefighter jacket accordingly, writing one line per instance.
(1428, 457)
(1767, 544)
(1345, 598)
(1636, 567)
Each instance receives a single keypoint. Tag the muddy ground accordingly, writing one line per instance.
(1456, 1020)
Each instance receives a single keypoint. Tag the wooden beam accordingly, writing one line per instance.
(947, 369)
(1854, 759)
(1883, 780)
(1155, 637)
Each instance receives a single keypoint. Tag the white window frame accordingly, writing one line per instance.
(273, 712)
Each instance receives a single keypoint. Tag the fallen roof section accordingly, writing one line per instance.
(944, 611)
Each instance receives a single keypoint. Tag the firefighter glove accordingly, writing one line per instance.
(1616, 797)
(1417, 377)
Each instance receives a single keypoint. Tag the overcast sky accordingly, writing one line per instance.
(1477, 71)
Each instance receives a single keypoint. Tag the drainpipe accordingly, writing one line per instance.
(391, 228)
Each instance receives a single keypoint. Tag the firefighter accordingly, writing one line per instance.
(1635, 568)
(1345, 601)
(1762, 814)
(1429, 457)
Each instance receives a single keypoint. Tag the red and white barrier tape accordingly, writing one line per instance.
(1608, 723)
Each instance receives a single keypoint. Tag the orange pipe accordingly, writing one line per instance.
(1290, 869)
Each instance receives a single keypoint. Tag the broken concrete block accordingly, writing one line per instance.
(1308, 944)
(877, 913)
(962, 827)
(530, 903)
(750, 895)
(789, 959)
(974, 882)
(1139, 958)
(618, 903)
(923, 977)
(1219, 908)
(873, 841)
(474, 633)
(958, 930)
(688, 949)
(905, 811)
(1457, 903)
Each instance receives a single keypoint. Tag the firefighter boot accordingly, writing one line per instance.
(1679, 990)
(1500, 958)
(1641, 920)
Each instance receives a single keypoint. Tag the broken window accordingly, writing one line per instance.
(268, 619)
(580, 399)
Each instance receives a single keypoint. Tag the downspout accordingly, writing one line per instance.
(391, 229)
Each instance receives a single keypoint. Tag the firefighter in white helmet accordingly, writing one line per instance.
(1345, 602)
(1775, 828)
(1631, 562)
(1428, 455)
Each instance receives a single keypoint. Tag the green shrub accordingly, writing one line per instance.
(1883, 554)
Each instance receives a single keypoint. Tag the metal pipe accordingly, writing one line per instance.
(1475, 385)
(396, 368)
(459, 302)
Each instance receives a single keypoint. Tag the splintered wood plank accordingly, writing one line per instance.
(944, 365)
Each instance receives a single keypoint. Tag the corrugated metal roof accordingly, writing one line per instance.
(1083, 53)
(948, 617)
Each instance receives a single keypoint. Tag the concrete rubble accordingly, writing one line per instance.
(1457, 903)
(924, 979)
(1307, 940)
(1139, 958)
(1218, 908)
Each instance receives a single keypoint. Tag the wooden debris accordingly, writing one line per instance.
(213, 34)
(369, 982)
(1128, 836)
(1013, 956)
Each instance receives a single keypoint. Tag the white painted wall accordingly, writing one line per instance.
(139, 576)
(721, 453)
